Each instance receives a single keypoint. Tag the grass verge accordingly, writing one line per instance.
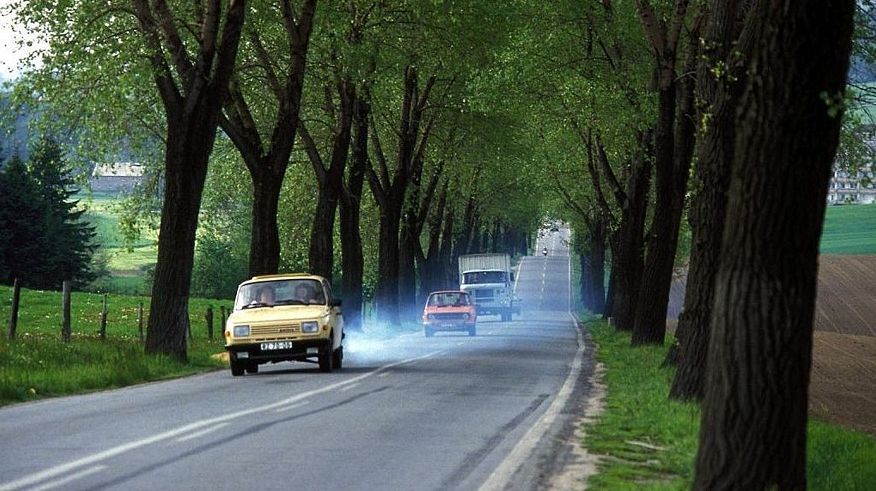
(646, 441)
(38, 364)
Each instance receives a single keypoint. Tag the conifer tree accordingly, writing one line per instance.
(45, 239)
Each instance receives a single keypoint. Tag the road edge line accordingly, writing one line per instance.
(527, 444)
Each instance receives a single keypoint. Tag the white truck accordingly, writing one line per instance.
(489, 280)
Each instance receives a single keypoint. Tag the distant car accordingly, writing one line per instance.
(555, 228)
(450, 310)
(284, 317)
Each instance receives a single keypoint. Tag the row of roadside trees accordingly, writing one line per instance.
(353, 110)
(731, 111)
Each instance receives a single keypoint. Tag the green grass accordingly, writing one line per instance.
(638, 411)
(38, 364)
(849, 229)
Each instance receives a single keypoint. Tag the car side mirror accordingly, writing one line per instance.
(336, 302)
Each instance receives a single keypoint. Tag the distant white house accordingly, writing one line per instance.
(858, 187)
(116, 177)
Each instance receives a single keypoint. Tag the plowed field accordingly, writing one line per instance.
(843, 385)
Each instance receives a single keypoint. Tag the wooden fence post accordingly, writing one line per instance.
(65, 311)
(222, 312)
(209, 318)
(13, 316)
(140, 321)
(103, 319)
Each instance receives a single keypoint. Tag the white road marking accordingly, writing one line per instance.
(384, 374)
(348, 387)
(519, 269)
(528, 443)
(133, 445)
(201, 433)
(293, 406)
(70, 478)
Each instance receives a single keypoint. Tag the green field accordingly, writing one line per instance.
(646, 441)
(127, 266)
(849, 229)
(38, 364)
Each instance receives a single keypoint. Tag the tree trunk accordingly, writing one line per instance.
(673, 168)
(407, 274)
(628, 260)
(753, 431)
(264, 250)
(708, 205)
(609, 296)
(597, 267)
(185, 173)
(586, 285)
(322, 233)
(431, 267)
(386, 294)
(448, 270)
(192, 99)
(352, 259)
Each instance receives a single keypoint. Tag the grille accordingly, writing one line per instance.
(449, 316)
(486, 293)
(269, 333)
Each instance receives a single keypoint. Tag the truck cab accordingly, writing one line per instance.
(490, 282)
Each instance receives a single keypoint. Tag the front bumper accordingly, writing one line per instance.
(491, 309)
(301, 350)
(449, 326)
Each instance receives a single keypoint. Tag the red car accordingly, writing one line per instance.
(451, 310)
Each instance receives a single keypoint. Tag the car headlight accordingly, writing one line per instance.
(310, 327)
(241, 331)
(465, 316)
(431, 317)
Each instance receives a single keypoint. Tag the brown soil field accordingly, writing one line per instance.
(843, 385)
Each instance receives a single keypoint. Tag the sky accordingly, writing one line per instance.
(10, 53)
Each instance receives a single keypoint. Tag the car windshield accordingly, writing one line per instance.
(476, 277)
(449, 299)
(279, 292)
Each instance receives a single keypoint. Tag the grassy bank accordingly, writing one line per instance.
(38, 364)
(649, 442)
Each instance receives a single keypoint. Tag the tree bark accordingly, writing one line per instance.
(192, 110)
(711, 178)
(753, 431)
(264, 249)
(597, 267)
(352, 259)
(674, 153)
(628, 259)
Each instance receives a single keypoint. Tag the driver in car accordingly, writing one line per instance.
(265, 296)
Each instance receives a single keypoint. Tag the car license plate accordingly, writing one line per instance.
(276, 345)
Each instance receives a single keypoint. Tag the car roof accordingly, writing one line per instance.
(282, 276)
(449, 291)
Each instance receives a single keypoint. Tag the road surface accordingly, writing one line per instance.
(409, 412)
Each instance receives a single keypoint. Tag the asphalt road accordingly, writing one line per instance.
(408, 412)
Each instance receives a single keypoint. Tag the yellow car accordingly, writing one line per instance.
(284, 317)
